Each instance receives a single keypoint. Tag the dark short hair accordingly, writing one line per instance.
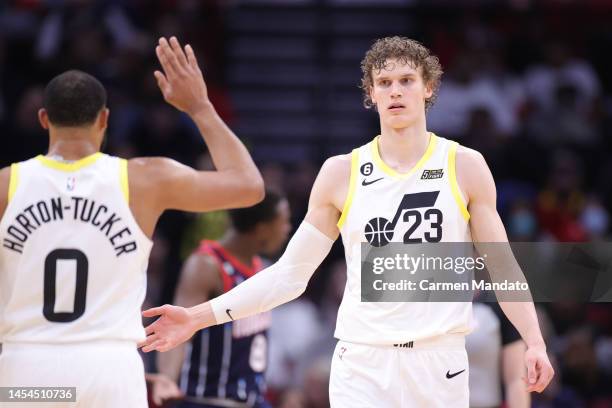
(74, 98)
(245, 219)
(407, 51)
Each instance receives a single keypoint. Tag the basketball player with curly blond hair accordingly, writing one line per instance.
(389, 354)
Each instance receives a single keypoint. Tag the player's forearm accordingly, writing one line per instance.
(226, 150)
(279, 283)
(523, 316)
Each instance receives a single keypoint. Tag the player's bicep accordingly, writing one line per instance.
(200, 280)
(477, 182)
(324, 203)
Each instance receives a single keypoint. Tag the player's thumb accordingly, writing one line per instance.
(531, 371)
(162, 82)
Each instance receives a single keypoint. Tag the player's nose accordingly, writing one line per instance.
(396, 89)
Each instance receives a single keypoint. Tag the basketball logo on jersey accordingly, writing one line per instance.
(70, 183)
(379, 231)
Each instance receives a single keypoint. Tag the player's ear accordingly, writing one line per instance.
(103, 118)
(371, 93)
(43, 118)
(428, 89)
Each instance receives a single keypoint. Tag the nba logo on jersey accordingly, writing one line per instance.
(70, 183)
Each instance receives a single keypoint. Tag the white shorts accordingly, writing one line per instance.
(106, 374)
(431, 373)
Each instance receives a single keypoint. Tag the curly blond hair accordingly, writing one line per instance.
(407, 51)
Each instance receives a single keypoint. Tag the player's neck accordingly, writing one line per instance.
(240, 246)
(402, 148)
(71, 145)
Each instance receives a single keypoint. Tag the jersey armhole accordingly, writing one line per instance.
(123, 179)
(351, 190)
(452, 153)
(13, 181)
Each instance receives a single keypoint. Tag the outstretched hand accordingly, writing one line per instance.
(181, 81)
(174, 326)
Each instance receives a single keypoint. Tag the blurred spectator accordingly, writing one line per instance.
(581, 370)
(27, 131)
(465, 89)
(496, 356)
(560, 205)
(563, 122)
(562, 68)
(294, 329)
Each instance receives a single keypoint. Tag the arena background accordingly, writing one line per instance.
(528, 83)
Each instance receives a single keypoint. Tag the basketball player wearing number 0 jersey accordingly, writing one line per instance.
(75, 232)
(388, 354)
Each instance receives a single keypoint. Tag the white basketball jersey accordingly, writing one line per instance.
(378, 191)
(73, 259)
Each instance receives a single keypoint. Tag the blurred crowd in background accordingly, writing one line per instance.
(527, 83)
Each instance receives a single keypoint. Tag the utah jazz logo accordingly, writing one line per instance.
(379, 231)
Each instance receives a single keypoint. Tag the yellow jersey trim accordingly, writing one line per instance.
(123, 178)
(389, 171)
(57, 165)
(452, 152)
(13, 180)
(352, 183)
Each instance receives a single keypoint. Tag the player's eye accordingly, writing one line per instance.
(384, 82)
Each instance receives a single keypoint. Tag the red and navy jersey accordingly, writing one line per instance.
(228, 361)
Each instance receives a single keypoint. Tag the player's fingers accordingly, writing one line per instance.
(167, 68)
(544, 378)
(171, 57)
(154, 346)
(148, 340)
(531, 371)
(191, 57)
(163, 58)
(154, 311)
(152, 328)
(162, 82)
(178, 51)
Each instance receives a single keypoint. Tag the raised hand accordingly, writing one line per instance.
(174, 326)
(181, 81)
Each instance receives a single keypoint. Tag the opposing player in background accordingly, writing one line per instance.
(76, 235)
(224, 366)
(388, 354)
(495, 351)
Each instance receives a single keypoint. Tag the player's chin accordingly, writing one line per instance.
(398, 121)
